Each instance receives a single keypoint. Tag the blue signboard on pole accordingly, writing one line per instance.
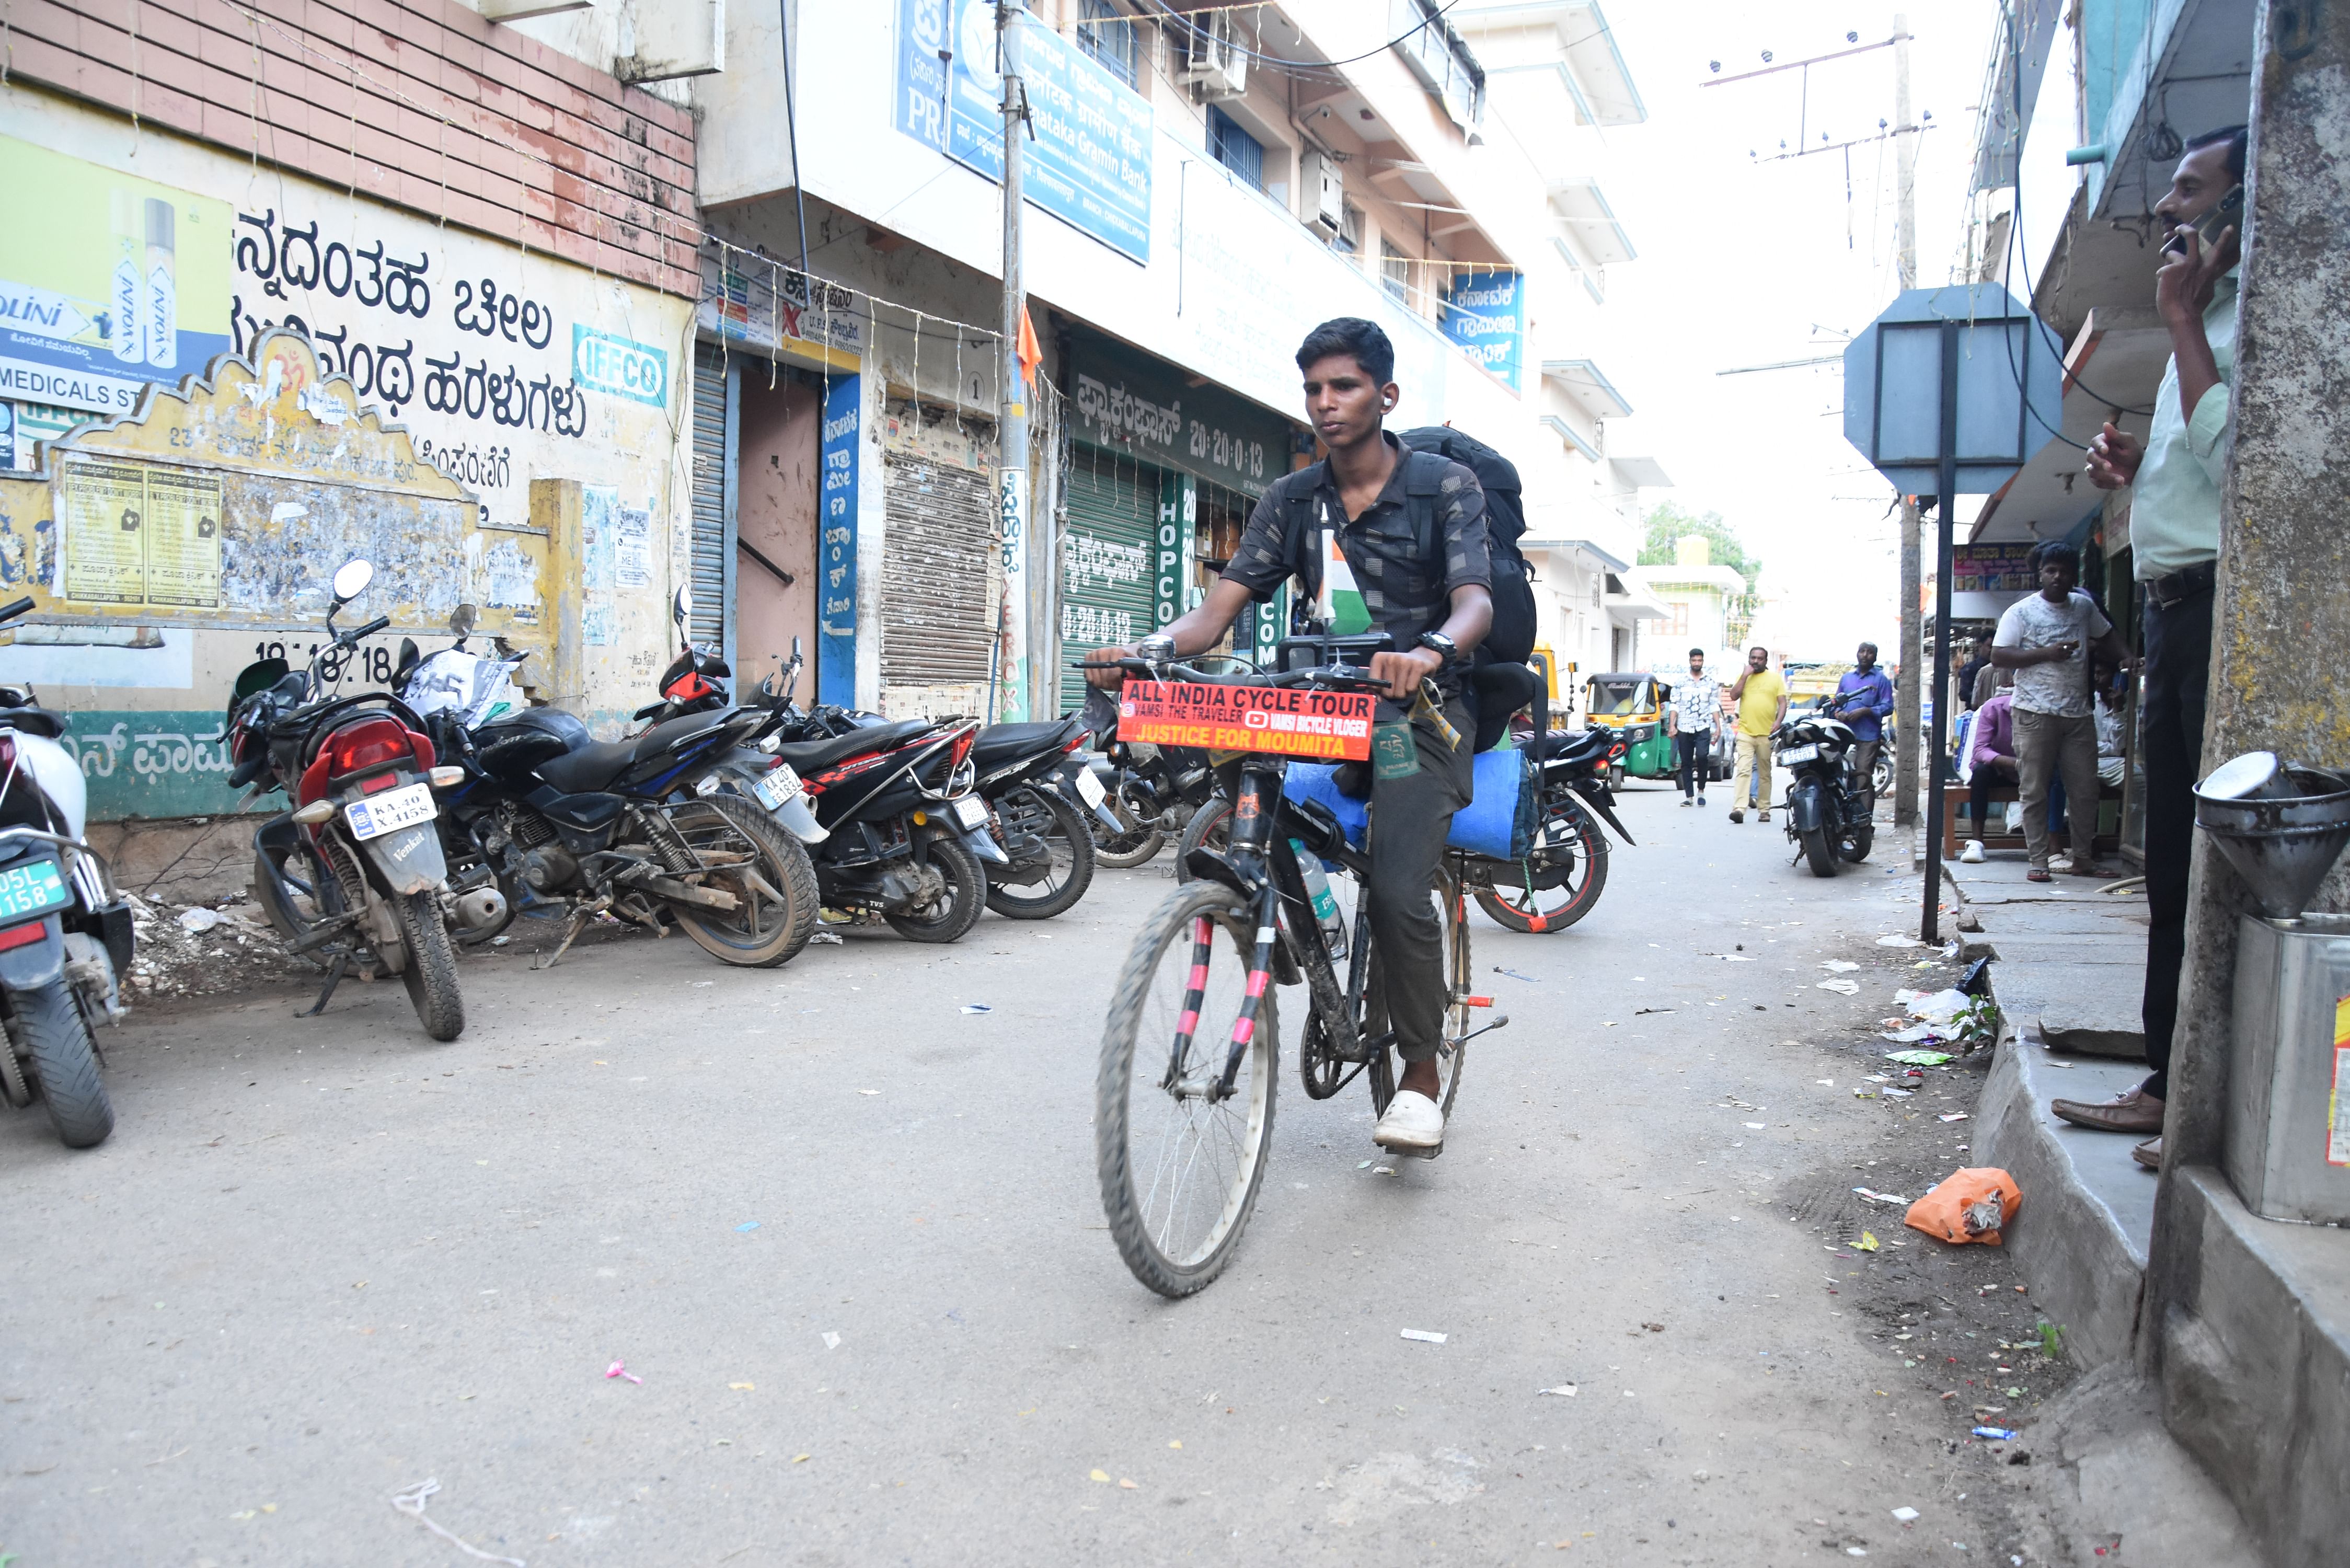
(1090, 162)
(1485, 314)
(835, 657)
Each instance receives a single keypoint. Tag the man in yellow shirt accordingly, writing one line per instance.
(1761, 698)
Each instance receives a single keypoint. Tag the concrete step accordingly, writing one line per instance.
(2082, 1234)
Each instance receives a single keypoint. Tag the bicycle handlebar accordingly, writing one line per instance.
(1339, 678)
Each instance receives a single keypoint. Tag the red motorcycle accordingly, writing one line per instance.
(353, 873)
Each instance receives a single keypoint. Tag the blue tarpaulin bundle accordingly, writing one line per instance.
(1499, 823)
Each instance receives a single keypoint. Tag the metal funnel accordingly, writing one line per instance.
(2284, 834)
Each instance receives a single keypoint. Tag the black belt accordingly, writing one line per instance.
(2184, 584)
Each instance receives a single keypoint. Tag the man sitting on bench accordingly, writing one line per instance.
(1991, 754)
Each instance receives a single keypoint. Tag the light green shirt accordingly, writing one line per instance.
(2175, 504)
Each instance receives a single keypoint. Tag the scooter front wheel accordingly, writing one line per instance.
(63, 1063)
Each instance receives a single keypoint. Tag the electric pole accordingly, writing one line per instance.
(1014, 641)
(1913, 663)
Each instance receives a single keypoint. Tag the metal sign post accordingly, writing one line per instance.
(1950, 388)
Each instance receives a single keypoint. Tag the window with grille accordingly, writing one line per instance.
(1108, 37)
(1235, 149)
(1395, 272)
(1681, 617)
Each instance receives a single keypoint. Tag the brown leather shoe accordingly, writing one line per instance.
(2148, 1154)
(2136, 1112)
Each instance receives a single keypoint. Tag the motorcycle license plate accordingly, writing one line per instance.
(35, 888)
(1089, 788)
(1800, 755)
(776, 785)
(972, 812)
(390, 811)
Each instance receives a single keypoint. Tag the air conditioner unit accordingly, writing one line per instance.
(1214, 64)
(1322, 191)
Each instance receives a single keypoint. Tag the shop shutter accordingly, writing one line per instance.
(709, 497)
(1106, 582)
(937, 623)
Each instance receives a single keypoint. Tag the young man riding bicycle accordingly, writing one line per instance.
(1411, 561)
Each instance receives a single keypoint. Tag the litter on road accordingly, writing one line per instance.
(977, 1007)
(748, 1225)
(1918, 1058)
(1564, 1391)
(1996, 1433)
(620, 1369)
(1841, 987)
(1425, 1337)
(1970, 1205)
(1513, 974)
(411, 1504)
(1899, 942)
(1876, 1197)
(1904, 1514)
(1839, 966)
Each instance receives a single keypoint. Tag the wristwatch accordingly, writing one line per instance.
(1441, 644)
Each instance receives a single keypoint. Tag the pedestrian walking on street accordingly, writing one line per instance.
(1761, 698)
(1694, 721)
(2174, 477)
(1864, 700)
(2044, 641)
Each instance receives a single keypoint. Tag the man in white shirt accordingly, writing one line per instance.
(2174, 477)
(2044, 641)
(1693, 721)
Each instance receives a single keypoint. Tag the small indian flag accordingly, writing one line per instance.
(1341, 606)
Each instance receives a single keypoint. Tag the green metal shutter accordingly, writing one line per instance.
(1107, 585)
(712, 468)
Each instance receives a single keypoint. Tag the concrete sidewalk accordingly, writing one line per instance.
(2252, 1369)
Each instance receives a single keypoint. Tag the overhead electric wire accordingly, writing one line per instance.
(1170, 13)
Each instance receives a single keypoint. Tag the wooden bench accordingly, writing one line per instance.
(1956, 795)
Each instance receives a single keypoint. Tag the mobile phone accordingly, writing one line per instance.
(2228, 214)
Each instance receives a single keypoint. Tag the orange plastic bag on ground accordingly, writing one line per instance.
(1971, 1205)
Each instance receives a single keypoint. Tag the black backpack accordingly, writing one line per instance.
(1512, 639)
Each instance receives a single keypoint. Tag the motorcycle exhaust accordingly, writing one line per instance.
(482, 907)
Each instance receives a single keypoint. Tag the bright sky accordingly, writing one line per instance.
(1746, 263)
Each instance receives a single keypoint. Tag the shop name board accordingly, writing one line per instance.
(1992, 569)
(1485, 318)
(1088, 161)
(603, 363)
(1132, 405)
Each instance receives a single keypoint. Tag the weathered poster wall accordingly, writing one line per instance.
(499, 366)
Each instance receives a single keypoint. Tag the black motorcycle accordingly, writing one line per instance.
(1040, 796)
(1831, 810)
(1148, 792)
(1565, 867)
(564, 824)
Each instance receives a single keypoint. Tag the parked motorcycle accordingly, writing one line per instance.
(1039, 797)
(1831, 810)
(540, 815)
(64, 932)
(1150, 793)
(896, 830)
(1565, 868)
(353, 872)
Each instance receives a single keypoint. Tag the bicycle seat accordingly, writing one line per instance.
(806, 756)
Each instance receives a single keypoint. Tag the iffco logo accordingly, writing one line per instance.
(614, 365)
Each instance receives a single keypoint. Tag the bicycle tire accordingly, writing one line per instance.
(1130, 1208)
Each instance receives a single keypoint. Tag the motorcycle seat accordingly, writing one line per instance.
(806, 756)
(1586, 746)
(1001, 743)
(33, 721)
(591, 768)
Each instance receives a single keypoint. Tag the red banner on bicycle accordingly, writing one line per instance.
(1291, 720)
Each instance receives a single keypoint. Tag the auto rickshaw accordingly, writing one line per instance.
(1633, 705)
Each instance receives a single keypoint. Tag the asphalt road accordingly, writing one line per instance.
(848, 1235)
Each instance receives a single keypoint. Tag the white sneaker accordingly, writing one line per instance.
(1972, 854)
(1412, 1125)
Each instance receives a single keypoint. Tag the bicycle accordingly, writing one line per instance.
(1181, 1138)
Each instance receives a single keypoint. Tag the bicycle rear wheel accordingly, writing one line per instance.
(1181, 1163)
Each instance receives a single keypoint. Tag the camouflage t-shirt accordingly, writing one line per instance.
(1407, 580)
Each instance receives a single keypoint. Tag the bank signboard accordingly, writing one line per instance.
(1485, 316)
(1089, 161)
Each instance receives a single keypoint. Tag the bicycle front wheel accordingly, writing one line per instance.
(1180, 1159)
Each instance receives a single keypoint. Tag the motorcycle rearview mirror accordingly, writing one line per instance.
(462, 620)
(796, 648)
(680, 608)
(351, 579)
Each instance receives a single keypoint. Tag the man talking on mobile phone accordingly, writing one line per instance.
(2174, 477)
(1394, 541)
